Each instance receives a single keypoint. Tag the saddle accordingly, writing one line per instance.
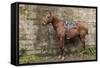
(70, 29)
(69, 24)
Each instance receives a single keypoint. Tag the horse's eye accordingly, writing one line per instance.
(48, 17)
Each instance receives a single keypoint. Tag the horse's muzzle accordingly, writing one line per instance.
(43, 23)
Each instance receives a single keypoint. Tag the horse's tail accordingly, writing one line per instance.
(86, 30)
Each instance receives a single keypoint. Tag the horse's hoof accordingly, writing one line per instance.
(59, 56)
(82, 55)
(62, 58)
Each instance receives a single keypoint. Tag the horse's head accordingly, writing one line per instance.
(48, 18)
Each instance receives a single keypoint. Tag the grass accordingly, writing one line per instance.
(28, 59)
(89, 54)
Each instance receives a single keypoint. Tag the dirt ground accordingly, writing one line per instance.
(90, 54)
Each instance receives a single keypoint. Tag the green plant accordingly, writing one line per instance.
(22, 51)
(29, 59)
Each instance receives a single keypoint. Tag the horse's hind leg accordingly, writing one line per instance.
(82, 39)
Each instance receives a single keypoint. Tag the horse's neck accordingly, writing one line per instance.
(55, 21)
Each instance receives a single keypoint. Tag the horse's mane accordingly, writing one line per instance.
(55, 18)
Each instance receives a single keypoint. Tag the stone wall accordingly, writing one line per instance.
(36, 38)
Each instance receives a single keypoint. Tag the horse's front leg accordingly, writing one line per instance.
(61, 40)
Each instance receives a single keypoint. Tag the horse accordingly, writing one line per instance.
(79, 31)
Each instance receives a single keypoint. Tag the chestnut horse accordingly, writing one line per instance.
(79, 31)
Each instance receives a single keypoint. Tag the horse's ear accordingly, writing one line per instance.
(50, 12)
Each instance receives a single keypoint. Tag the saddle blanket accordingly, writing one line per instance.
(70, 32)
(69, 24)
